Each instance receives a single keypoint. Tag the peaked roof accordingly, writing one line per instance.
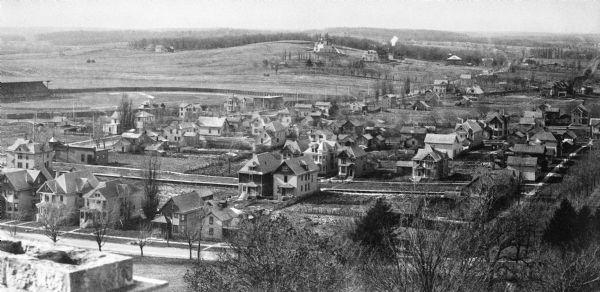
(111, 189)
(441, 138)
(470, 124)
(27, 146)
(190, 201)
(295, 146)
(80, 181)
(299, 165)
(116, 115)
(528, 149)
(224, 214)
(454, 58)
(21, 179)
(413, 130)
(521, 161)
(275, 126)
(353, 151)
(429, 151)
(211, 122)
(264, 163)
(543, 136)
(493, 115)
(143, 114)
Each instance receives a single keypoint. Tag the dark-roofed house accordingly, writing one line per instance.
(470, 130)
(293, 148)
(547, 139)
(528, 167)
(295, 177)
(420, 105)
(365, 140)
(444, 142)
(430, 163)
(303, 110)
(28, 154)
(349, 127)
(416, 133)
(67, 189)
(256, 176)
(352, 162)
(23, 91)
(113, 199)
(580, 115)
(497, 125)
(323, 152)
(18, 187)
(220, 222)
(132, 142)
(529, 150)
(183, 212)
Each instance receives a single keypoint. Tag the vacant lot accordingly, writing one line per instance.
(176, 164)
(171, 270)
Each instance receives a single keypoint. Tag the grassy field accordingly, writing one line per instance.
(231, 68)
(171, 270)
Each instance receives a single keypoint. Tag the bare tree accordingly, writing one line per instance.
(53, 217)
(191, 235)
(19, 217)
(143, 238)
(151, 186)
(101, 222)
(126, 111)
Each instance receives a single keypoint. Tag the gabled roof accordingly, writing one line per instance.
(111, 189)
(275, 126)
(295, 146)
(529, 149)
(440, 82)
(299, 165)
(21, 179)
(211, 122)
(494, 115)
(130, 135)
(27, 146)
(527, 121)
(116, 115)
(264, 163)
(470, 124)
(543, 136)
(224, 214)
(454, 58)
(353, 151)
(517, 161)
(594, 122)
(143, 114)
(74, 182)
(413, 130)
(582, 108)
(441, 138)
(191, 201)
(429, 151)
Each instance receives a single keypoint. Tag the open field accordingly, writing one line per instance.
(171, 270)
(232, 68)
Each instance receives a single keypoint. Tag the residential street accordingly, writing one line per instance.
(120, 248)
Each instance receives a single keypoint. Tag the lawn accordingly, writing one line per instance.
(171, 270)
(175, 164)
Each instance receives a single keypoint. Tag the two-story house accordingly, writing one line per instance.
(528, 167)
(323, 153)
(189, 111)
(430, 163)
(68, 190)
(17, 187)
(212, 126)
(546, 138)
(220, 222)
(113, 200)
(255, 178)
(470, 130)
(595, 128)
(143, 119)
(444, 142)
(113, 127)
(580, 115)
(497, 125)
(293, 148)
(176, 131)
(132, 142)
(26, 154)
(234, 104)
(303, 110)
(272, 135)
(183, 213)
(323, 106)
(352, 162)
(284, 117)
(295, 177)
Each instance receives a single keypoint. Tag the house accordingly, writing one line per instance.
(212, 126)
(453, 60)
(349, 127)
(352, 162)
(475, 90)
(26, 154)
(113, 199)
(366, 141)
(444, 142)
(323, 153)
(420, 105)
(303, 110)
(415, 134)
(143, 119)
(183, 213)
(273, 135)
(176, 130)
(83, 154)
(157, 148)
(547, 139)
(370, 56)
(357, 107)
(18, 187)
(190, 111)
(113, 127)
(528, 167)
(580, 115)
(388, 101)
(269, 102)
(497, 125)
(470, 130)
(345, 140)
(68, 190)
(552, 115)
(293, 148)
(284, 117)
(220, 222)
(132, 142)
(295, 177)
(536, 116)
(255, 178)
(234, 104)
(430, 163)
(404, 167)
(537, 150)
(323, 106)
(257, 124)
(595, 128)
(440, 86)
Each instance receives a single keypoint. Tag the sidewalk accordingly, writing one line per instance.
(115, 244)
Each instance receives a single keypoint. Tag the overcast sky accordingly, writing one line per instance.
(581, 16)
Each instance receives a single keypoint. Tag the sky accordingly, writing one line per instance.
(557, 16)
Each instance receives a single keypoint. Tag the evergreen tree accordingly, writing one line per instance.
(376, 228)
(584, 226)
(309, 63)
(407, 85)
(562, 228)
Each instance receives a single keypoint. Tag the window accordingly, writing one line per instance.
(19, 165)
(81, 215)
(46, 198)
(182, 228)
(61, 198)
(285, 178)
(9, 207)
(175, 229)
(26, 165)
(20, 156)
(182, 217)
(209, 131)
(211, 231)
(82, 157)
(211, 220)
